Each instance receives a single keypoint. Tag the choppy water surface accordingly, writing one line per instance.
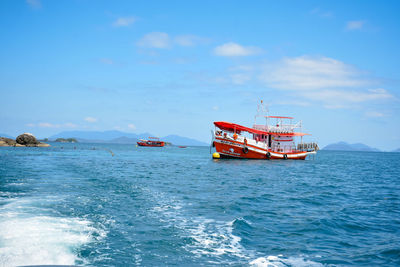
(78, 204)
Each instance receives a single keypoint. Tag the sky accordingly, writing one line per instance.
(175, 67)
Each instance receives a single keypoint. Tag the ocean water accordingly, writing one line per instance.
(121, 205)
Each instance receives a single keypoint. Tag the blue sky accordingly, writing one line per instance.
(174, 67)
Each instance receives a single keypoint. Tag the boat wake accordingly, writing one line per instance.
(215, 238)
(280, 261)
(218, 241)
(32, 238)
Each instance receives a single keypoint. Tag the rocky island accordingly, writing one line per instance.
(23, 140)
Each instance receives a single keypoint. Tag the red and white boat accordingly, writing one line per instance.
(269, 141)
(152, 141)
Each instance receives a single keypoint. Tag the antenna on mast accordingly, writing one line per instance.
(262, 111)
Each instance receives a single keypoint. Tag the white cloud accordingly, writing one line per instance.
(327, 81)
(34, 3)
(184, 60)
(118, 128)
(107, 61)
(90, 119)
(69, 125)
(155, 40)
(46, 125)
(189, 40)
(294, 103)
(310, 73)
(51, 125)
(374, 114)
(131, 126)
(234, 50)
(321, 13)
(240, 78)
(124, 21)
(215, 108)
(355, 25)
(346, 97)
(245, 68)
(163, 40)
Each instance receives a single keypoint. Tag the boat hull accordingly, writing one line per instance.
(234, 149)
(160, 144)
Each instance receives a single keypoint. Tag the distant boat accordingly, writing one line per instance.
(152, 141)
(269, 141)
(182, 146)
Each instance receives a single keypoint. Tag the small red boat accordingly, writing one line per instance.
(153, 142)
(269, 141)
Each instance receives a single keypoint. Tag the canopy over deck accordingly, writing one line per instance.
(279, 117)
(232, 127)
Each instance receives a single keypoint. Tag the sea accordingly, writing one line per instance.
(122, 205)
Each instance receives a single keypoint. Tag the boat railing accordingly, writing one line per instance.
(240, 138)
(275, 129)
(308, 146)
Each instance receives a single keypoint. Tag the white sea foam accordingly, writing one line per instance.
(280, 261)
(211, 237)
(216, 238)
(35, 239)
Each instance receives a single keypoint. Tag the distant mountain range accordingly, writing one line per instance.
(6, 135)
(183, 141)
(118, 137)
(343, 146)
(96, 135)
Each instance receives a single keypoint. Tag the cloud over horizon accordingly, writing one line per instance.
(355, 25)
(310, 73)
(331, 82)
(155, 40)
(91, 119)
(34, 3)
(52, 125)
(124, 21)
(236, 50)
(162, 40)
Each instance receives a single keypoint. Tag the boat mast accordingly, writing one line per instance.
(262, 111)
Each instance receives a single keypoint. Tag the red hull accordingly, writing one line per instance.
(234, 149)
(151, 144)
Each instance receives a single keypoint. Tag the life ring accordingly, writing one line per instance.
(284, 156)
(268, 155)
(245, 150)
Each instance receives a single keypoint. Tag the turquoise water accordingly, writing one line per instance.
(78, 204)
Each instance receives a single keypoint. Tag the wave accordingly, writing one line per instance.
(38, 239)
(280, 261)
(216, 238)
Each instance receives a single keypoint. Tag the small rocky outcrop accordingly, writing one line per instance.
(25, 139)
(4, 141)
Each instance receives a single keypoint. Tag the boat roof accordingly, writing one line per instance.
(279, 117)
(232, 127)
